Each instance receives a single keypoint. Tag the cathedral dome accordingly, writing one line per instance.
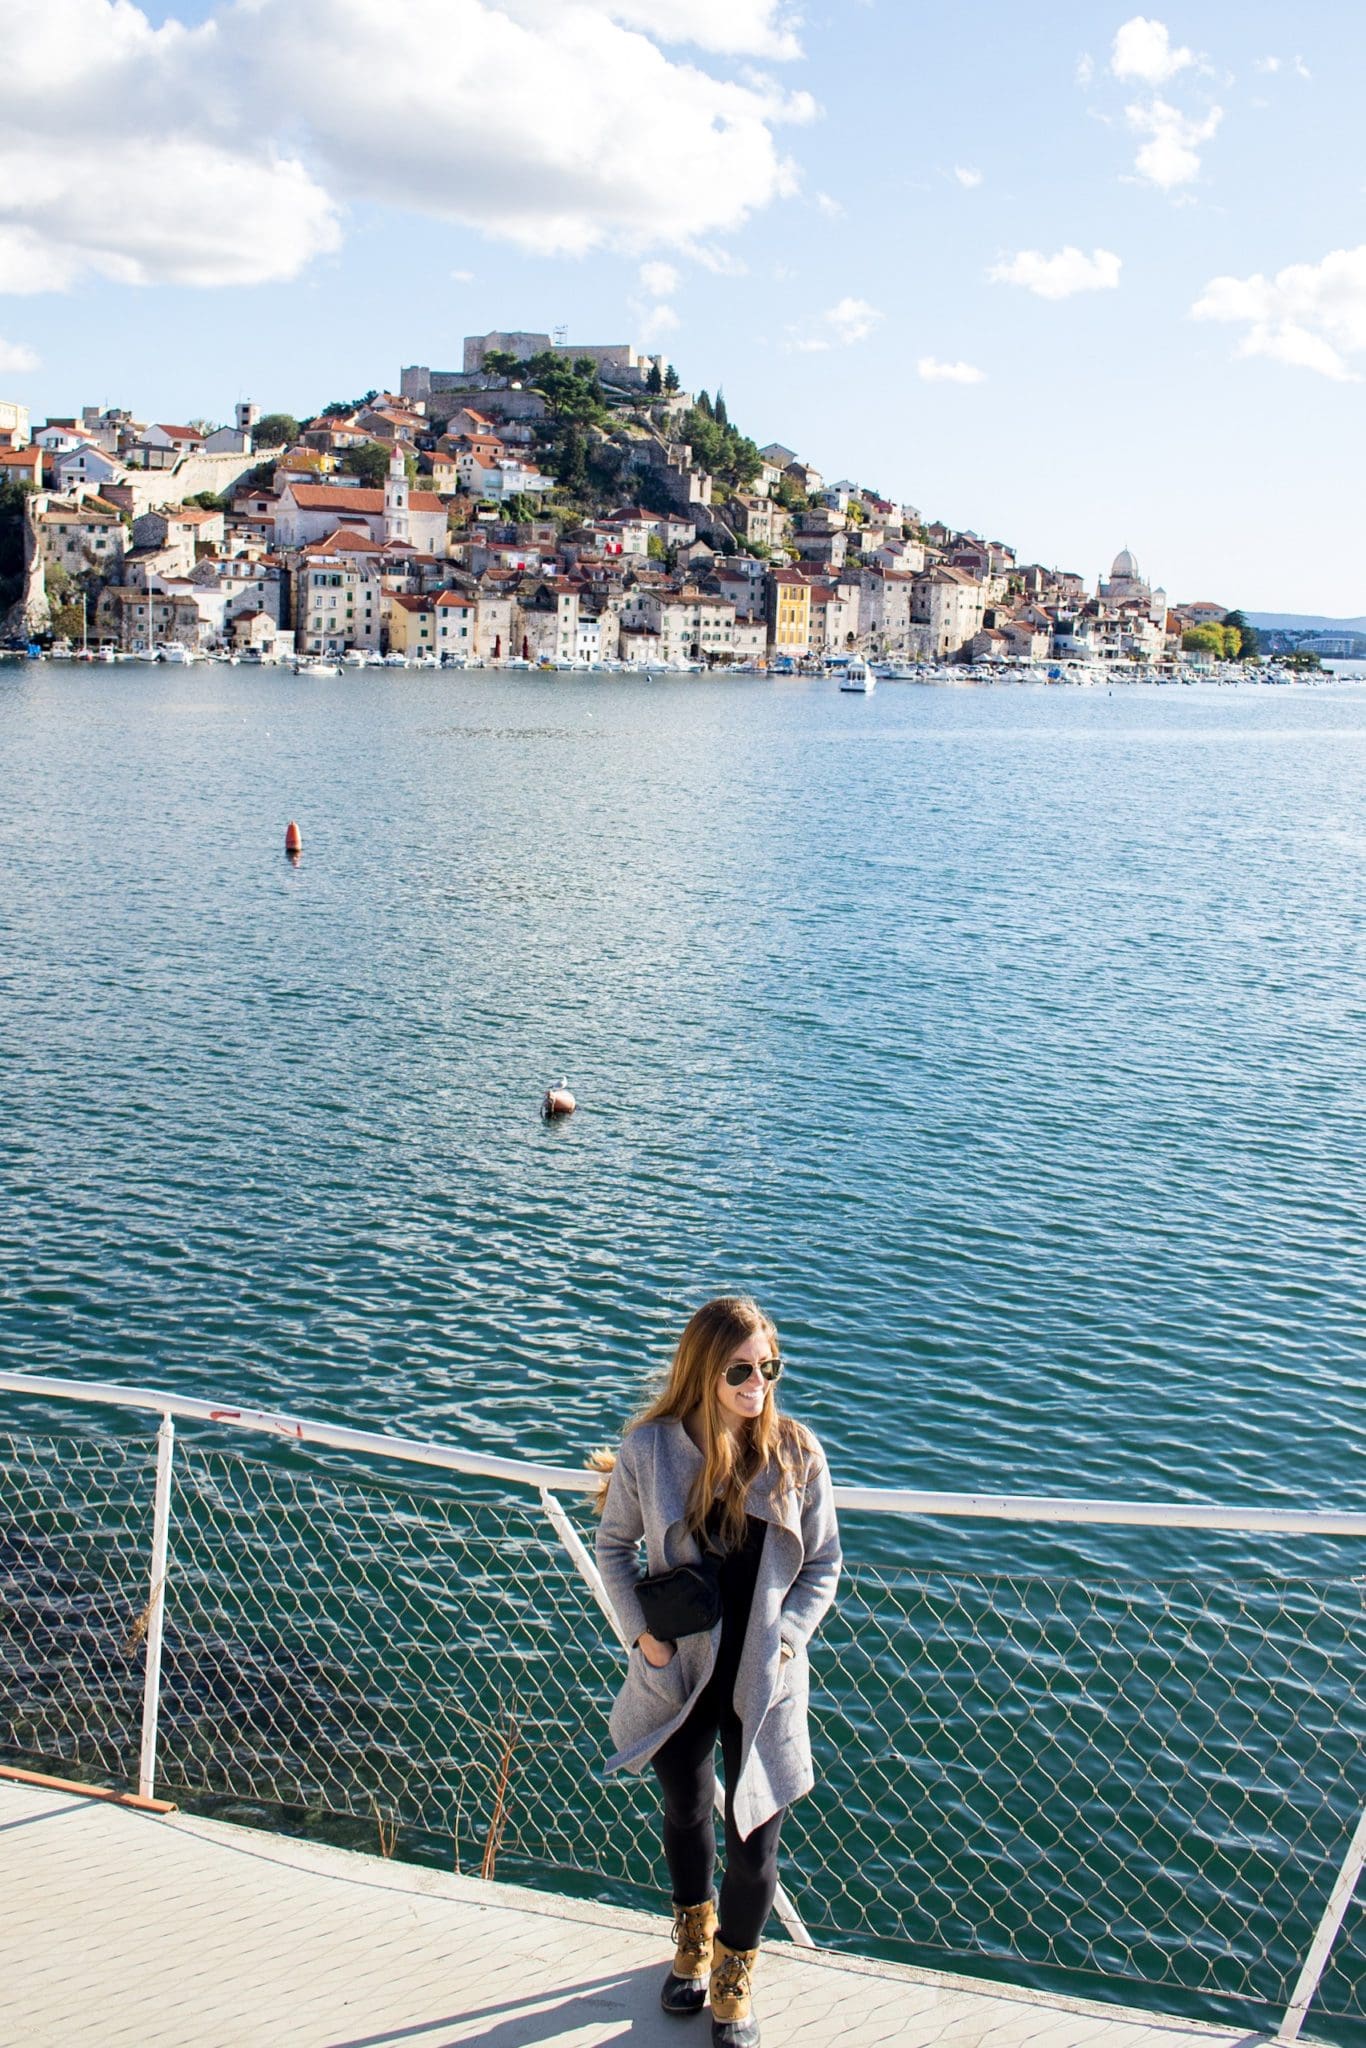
(1124, 565)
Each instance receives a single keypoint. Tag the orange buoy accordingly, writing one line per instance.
(558, 1102)
(294, 838)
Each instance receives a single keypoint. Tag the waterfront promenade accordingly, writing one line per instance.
(127, 1927)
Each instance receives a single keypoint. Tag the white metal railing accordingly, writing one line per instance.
(999, 1647)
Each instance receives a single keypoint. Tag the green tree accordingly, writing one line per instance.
(12, 498)
(655, 549)
(791, 496)
(500, 362)
(571, 471)
(370, 462)
(704, 405)
(1204, 640)
(1249, 639)
(339, 408)
(719, 448)
(277, 430)
(654, 383)
(671, 380)
(719, 413)
(209, 501)
(571, 391)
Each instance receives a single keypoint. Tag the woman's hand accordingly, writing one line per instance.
(654, 1652)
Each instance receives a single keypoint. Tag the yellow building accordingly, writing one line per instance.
(789, 613)
(412, 625)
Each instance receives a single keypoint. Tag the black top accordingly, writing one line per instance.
(738, 1571)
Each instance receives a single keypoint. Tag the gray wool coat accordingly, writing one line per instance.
(799, 1568)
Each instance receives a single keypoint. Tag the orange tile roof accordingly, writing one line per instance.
(338, 498)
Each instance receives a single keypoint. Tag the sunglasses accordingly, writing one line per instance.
(736, 1375)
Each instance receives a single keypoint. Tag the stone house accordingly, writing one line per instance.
(82, 537)
(950, 605)
(887, 610)
(187, 526)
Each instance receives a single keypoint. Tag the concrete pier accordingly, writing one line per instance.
(137, 1930)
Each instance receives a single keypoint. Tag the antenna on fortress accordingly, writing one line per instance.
(561, 336)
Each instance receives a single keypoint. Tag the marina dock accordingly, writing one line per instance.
(125, 1927)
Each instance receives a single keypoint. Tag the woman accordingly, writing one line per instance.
(712, 1467)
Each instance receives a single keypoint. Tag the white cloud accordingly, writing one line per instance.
(462, 277)
(188, 155)
(15, 359)
(935, 372)
(729, 28)
(1058, 277)
(967, 177)
(1143, 50)
(659, 279)
(831, 208)
(840, 326)
(1310, 315)
(1171, 155)
(720, 262)
(1267, 64)
(655, 321)
(1085, 71)
(853, 320)
(1302, 69)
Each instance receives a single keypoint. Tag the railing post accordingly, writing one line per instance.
(592, 1577)
(156, 1608)
(1321, 1947)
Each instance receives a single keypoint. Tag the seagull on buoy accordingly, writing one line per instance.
(558, 1101)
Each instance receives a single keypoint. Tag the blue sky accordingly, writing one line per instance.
(1076, 278)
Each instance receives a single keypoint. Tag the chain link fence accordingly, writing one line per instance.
(1133, 1788)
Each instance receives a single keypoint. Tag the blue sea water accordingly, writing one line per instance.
(1008, 1044)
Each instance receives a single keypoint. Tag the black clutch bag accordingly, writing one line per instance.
(683, 1602)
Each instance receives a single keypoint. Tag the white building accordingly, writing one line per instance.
(309, 512)
(337, 600)
(82, 468)
(690, 624)
(14, 424)
(454, 618)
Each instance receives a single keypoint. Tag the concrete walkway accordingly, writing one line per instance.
(132, 1930)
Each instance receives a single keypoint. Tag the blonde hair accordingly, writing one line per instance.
(731, 1459)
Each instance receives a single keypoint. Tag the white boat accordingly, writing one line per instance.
(178, 656)
(394, 661)
(315, 667)
(355, 657)
(858, 678)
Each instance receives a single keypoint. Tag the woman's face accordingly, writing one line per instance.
(741, 1404)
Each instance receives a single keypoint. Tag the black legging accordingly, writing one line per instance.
(686, 1768)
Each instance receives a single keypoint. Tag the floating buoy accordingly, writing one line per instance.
(294, 838)
(558, 1102)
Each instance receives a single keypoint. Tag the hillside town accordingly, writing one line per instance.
(546, 503)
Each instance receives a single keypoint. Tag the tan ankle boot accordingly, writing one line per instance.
(733, 2024)
(685, 1988)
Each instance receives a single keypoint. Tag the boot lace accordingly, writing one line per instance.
(732, 1978)
(690, 1934)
